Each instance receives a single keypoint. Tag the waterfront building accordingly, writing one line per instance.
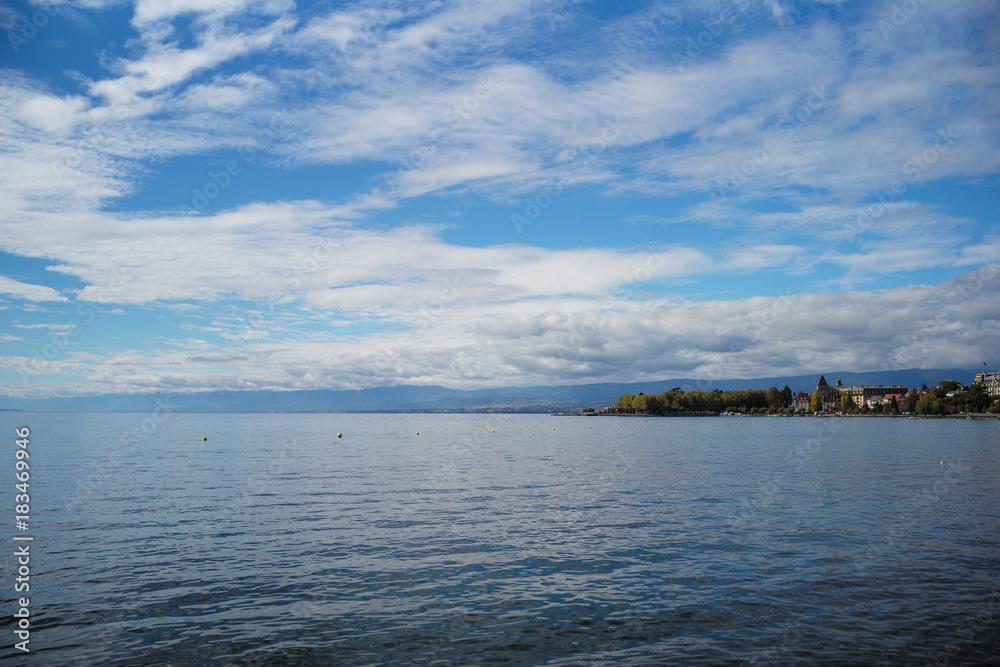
(826, 396)
(862, 394)
(991, 381)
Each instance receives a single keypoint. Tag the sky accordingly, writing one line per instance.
(269, 194)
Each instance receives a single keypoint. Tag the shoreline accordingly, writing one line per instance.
(963, 416)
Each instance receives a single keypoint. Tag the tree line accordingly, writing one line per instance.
(678, 401)
(934, 401)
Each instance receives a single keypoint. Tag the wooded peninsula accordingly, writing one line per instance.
(948, 397)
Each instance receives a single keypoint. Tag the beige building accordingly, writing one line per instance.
(864, 393)
(992, 383)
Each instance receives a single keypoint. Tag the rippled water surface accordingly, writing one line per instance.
(496, 539)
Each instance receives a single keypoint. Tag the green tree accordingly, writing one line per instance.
(894, 406)
(977, 399)
(910, 405)
(847, 403)
(787, 397)
(944, 386)
(648, 403)
(774, 398)
(929, 405)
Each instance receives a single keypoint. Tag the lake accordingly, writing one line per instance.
(519, 539)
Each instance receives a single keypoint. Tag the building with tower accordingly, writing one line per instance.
(991, 382)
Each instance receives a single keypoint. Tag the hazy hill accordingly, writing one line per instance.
(429, 398)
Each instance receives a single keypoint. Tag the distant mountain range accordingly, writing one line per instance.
(433, 398)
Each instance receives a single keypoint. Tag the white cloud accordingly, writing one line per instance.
(149, 11)
(462, 344)
(762, 256)
(51, 114)
(20, 290)
(165, 65)
(145, 260)
(467, 97)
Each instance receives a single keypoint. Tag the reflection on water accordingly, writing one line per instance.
(493, 538)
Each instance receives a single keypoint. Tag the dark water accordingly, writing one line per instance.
(495, 539)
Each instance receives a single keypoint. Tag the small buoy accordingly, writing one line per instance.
(340, 435)
(418, 432)
(619, 426)
(204, 438)
(493, 430)
(589, 427)
(553, 428)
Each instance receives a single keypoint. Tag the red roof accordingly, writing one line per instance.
(822, 382)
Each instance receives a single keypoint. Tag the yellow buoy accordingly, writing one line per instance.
(493, 430)
(418, 432)
(204, 438)
(340, 435)
(590, 427)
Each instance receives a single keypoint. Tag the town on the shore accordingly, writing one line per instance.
(948, 397)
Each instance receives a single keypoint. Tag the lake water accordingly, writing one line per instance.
(496, 539)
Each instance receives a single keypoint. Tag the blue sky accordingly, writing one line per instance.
(240, 194)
